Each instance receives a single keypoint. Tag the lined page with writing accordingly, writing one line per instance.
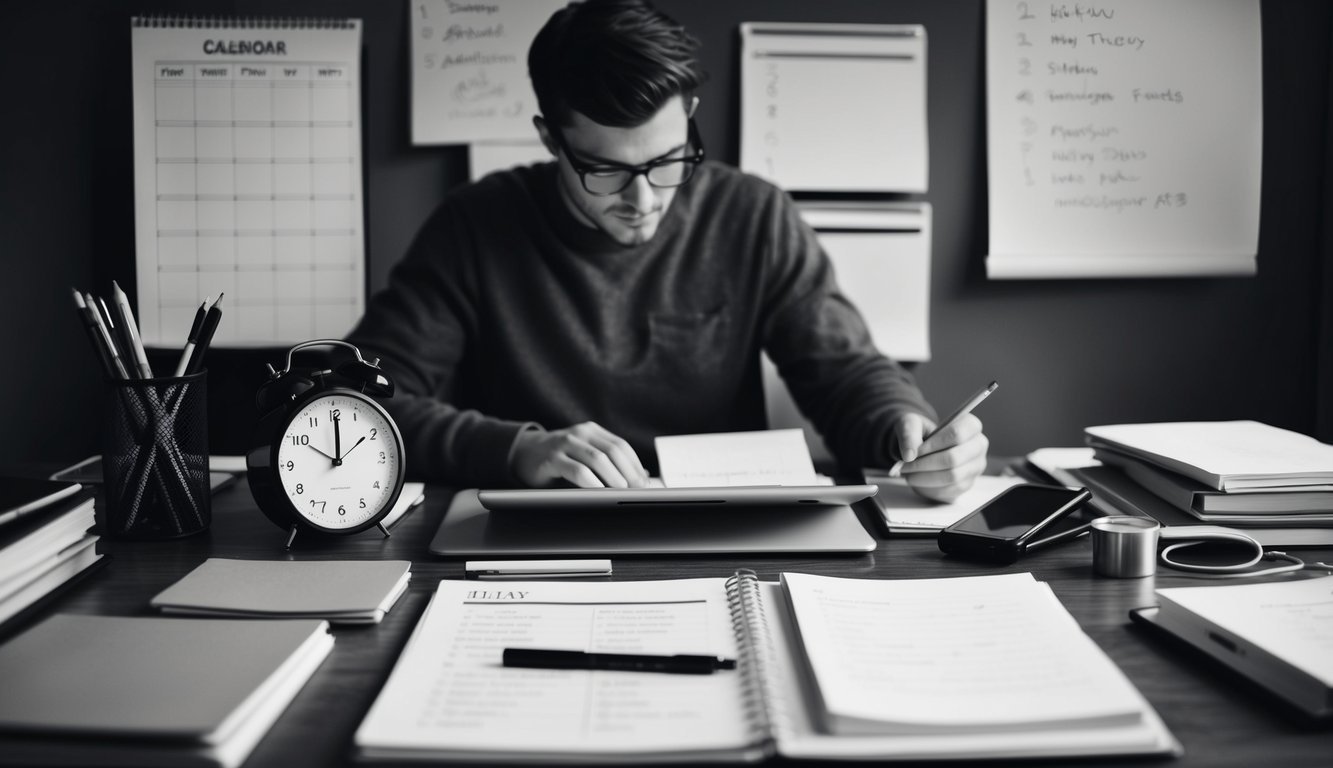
(449, 694)
(974, 654)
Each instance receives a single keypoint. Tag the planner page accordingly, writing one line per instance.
(247, 175)
(450, 695)
(968, 654)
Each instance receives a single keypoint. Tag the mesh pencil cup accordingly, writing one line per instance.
(155, 458)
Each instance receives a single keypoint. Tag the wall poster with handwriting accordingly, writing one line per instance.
(247, 177)
(470, 69)
(1124, 137)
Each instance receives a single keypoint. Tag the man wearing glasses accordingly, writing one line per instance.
(550, 321)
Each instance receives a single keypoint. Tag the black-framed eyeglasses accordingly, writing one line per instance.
(604, 179)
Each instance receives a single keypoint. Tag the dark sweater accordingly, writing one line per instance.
(508, 312)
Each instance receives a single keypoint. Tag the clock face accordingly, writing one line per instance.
(338, 461)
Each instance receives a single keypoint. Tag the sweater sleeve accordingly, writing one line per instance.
(419, 327)
(852, 393)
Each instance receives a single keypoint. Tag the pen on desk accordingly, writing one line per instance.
(959, 412)
(210, 326)
(100, 321)
(122, 303)
(193, 338)
(681, 664)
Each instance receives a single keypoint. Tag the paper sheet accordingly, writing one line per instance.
(765, 457)
(966, 653)
(903, 508)
(834, 107)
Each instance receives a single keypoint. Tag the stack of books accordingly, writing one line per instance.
(45, 542)
(1273, 482)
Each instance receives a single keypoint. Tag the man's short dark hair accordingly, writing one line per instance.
(617, 62)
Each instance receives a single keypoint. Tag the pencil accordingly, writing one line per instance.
(959, 412)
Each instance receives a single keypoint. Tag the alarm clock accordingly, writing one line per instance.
(326, 457)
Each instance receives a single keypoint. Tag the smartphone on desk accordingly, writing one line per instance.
(1021, 519)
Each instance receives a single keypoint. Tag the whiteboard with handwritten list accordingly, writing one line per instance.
(1124, 137)
(247, 177)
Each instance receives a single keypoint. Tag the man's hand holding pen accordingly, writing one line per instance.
(942, 461)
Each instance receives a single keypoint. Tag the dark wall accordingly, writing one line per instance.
(1067, 353)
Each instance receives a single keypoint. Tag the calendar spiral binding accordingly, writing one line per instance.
(762, 704)
(241, 22)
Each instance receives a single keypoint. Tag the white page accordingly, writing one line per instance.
(247, 176)
(448, 690)
(470, 69)
(489, 156)
(794, 710)
(901, 506)
(968, 654)
(1291, 620)
(1123, 138)
(710, 460)
(881, 257)
(834, 107)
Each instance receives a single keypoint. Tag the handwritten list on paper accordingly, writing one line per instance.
(470, 69)
(1124, 137)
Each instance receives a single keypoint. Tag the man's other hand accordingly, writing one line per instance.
(947, 464)
(586, 455)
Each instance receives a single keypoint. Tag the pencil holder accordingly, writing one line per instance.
(155, 458)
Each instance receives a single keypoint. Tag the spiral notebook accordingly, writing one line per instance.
(247, 176)
(827, 668)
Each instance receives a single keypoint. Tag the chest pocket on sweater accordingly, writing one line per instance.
(694, 342)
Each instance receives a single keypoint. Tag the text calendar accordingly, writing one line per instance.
(247, 147)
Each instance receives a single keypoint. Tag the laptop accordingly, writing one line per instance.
(470, 530)
(589, 499)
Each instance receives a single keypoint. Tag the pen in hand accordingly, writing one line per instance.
(960, 412)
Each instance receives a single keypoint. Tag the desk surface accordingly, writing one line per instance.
(1220, 720)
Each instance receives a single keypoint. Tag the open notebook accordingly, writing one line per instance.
(988, 666)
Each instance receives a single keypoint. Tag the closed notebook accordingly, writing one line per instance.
(121, 690)
(340, 591)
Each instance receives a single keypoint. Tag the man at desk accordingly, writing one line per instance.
(550, 321)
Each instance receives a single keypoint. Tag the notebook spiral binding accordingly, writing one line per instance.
(241, 22)
(750, 625)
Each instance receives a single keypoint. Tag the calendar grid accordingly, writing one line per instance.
(254, 191)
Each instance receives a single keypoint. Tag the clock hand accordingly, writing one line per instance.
(321, 453)
(353, 448)
(337, 442)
